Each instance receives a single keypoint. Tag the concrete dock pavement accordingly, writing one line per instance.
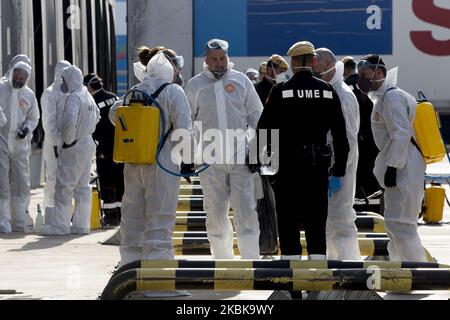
(69, 268)
(79, 267)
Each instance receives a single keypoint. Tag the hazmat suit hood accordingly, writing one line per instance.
(14, 61)
(389, 82)
(338, 77)
(19, 58)
(60, 66)
(161, 68)
(22, 66)
(73, 77)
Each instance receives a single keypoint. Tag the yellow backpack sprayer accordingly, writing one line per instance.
(427, 126)
(139, 123)
(137, 131)
(433, 148)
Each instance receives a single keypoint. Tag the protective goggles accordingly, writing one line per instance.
(217, 44)
(92, 81)
(364, 64)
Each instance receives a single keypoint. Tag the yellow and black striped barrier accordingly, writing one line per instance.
(370, 224)
(191, 223)
(201, 246)
(400, 280)
(369, 214)
(274, 264)
(195, 182)
(203, 234)
(231, 214)
(190, 204)
(198, 223)
(195, 190)
(199, 214)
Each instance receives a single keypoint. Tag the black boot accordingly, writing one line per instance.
(112, 217)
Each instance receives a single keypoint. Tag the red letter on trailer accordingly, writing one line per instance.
(423, 40)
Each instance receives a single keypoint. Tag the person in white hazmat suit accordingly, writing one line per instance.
(400, 167)
(22, 58)
(52, 104)
(342, 233)
(223, 99)
(79, 119)
(20, 117)
(14, 61)
(150, 200)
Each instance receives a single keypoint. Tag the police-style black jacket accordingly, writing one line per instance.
(263, 89)
(104, 132)
(305, 109)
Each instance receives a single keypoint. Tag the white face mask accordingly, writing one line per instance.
(328, 71)
(279, 78)
(282, 77)
(139, 71)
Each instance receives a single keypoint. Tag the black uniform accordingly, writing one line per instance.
(305, 109)
(366, 183)
(110, 173)
(263, 89)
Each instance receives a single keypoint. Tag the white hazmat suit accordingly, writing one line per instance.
(79, 120)
(52, 103)
(228, 103)
(21, 110)
(150, 200)
(3, 119)
(342, 233)
(392, 124)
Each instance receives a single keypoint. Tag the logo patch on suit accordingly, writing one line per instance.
(377, 116)
(230, 88)
(22, 103)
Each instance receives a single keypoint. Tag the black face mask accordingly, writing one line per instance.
(219, 75)
(365, 85)
(17, 84)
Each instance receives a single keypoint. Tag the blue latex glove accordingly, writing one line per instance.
(334, 186)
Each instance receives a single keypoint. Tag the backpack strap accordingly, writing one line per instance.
(413, 141)
(415, 144)
(155, 96)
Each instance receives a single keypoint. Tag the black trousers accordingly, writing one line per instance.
(111, 179)
(302, 200)
(366, 183)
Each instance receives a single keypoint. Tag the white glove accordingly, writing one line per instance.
(3, 120)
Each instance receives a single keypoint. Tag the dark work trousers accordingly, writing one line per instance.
(302, 200)
(111, 178)
(366, 183)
